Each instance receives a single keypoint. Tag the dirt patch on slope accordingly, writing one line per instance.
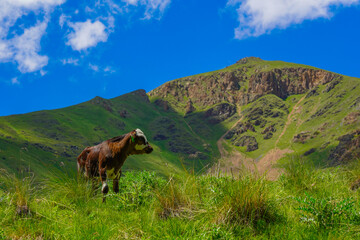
(266, 164)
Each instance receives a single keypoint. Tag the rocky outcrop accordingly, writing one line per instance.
(239, 129)
(302, 137)
(219, 113)
(287, 81)
(124, 114)
(248, 59)
(163, 104)
(352, 118)
(189, 107)
(348, 149)
(310, 151)
(247, 141)
(102, 102)
(141, 95)
(243, 85)
(331, 85)
(268, 131)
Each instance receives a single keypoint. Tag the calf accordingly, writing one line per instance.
(106, 159)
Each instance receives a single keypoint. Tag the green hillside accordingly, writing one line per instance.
(263, 106)
(258, 150)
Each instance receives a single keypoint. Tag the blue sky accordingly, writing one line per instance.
(56, 53)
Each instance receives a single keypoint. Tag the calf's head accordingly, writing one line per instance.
(141, 144)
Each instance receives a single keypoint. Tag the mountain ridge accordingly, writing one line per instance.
(185, 118)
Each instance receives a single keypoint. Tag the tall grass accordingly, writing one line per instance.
(245, 201)
(305, 203)
(22, 188)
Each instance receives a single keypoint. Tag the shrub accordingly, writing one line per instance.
(326, 212)
(136, 189)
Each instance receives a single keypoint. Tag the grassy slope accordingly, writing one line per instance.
(304, 203)
(342, 101)
(47, 138)
(38, 140)
(81, 125)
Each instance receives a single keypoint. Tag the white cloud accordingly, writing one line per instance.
(94, 67)
(109, 69)
(42, 72)
(63, 19)
(24, 48)
(86, 34)
(71, 61)
(152, 7)
(257, 17)
(15, 81)
(101, 69)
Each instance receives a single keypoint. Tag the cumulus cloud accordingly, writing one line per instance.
(24, 48)
(86, 34)
(257, 17)
(23, 23)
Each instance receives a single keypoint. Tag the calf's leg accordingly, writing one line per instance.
(105, 187)
(116, 182)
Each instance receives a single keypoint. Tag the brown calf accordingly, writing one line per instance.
(106, 159)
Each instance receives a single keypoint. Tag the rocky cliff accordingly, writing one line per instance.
(240, 84)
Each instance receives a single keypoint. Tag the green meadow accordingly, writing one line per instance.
(306, 202)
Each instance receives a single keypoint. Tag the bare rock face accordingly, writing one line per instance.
(141, 94)
(244, 84)
(331, 85)
(102, 102)
(247, 59)
(302, 137)
(189, 107)
(163, 104)
(239, 129)
(204, 91)
(219, 113)
(347, 149)
(287, 81)
(352, 118)
(248, 141)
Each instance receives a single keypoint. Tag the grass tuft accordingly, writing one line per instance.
(246, 201)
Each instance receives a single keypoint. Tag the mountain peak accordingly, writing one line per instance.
(248, 59)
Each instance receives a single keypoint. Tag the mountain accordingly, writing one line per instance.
(255, 113)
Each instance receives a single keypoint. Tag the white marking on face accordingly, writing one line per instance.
(140, 147)
(139, 133)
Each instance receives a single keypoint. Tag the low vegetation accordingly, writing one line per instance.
(304, 203)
